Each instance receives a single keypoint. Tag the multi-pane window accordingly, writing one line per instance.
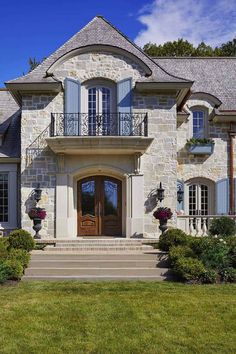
(3, 197)
(198, 124)
(99, 109)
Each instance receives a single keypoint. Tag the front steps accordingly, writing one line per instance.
(108, 245)
(97, 267)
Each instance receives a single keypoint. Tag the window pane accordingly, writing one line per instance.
(88, 198)
(198, 124)
(4, 197)
(110, 198)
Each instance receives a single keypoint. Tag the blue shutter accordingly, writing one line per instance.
(72, 106)
(180, 206)
(124, 105)
(222, 196)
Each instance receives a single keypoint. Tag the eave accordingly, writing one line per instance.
(181, 90)
(223, 116)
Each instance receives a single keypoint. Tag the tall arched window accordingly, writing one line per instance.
(200, 197)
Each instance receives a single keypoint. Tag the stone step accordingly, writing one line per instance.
(44, 256)
(93, 278)
(118, 263)
(94, 249)
(106, 272)
(97, 243)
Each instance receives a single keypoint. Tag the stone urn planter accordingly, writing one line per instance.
(37, 215)
(163, 215)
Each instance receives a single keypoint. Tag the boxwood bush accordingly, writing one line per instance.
(15, 269)
(21, 239)
(4, 272)
(20, 255)
(173, 237)
(189, 269)
(177, 252)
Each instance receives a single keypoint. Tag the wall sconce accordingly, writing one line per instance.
(160, 193)
(37, 193)
(180, 195)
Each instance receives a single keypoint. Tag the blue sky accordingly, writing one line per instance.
(36, 29)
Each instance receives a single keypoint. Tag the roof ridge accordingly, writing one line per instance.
(173, 57)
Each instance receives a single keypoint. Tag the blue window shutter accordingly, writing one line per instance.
(222, 196)
(180, 206)
(124, 105)
(72, 106)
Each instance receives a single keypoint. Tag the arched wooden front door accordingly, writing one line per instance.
(99, 206)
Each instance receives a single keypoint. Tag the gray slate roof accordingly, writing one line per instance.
(9, 125)
(216, 76)
(98, 31)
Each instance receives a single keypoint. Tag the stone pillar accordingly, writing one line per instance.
(135, 206)
(62, 206)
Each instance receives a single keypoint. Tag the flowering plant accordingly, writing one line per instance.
(162, 213)
(39, 213)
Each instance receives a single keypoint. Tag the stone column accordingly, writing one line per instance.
(62, 206)
(135, 206)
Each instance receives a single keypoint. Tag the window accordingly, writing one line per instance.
(198, 124)
(3, 197)
(199, 197)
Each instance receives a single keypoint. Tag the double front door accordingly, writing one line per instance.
(99, 206)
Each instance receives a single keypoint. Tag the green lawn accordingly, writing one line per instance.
(136, 317)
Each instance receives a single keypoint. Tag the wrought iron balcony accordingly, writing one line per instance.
(102, 124)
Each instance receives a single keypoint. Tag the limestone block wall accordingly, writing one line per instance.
(158, 164)
(38, 164)
(213, 167)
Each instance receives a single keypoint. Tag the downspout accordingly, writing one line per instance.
(231, 170)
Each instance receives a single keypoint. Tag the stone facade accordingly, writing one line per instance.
(157, 164)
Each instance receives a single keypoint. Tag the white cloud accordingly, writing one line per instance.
(211, 21)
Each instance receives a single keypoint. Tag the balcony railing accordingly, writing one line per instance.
(197, 225)
(102, 124)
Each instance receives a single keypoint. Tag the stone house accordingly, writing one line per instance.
(99, 125)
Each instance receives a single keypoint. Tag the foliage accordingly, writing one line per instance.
(4, 272)
(21, 239)
(20, 255)
(33, 63)
(177, 252)
(3, 247)
(183, 48)
(228, 274)
(209, 277)
(189, 269)
(163, 213)
(231, 242)
(37, 212)
(199, 141)
(15, 269)
(172, 237)
(223, 226)
(215, 254)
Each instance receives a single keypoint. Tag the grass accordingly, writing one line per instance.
(136, 317)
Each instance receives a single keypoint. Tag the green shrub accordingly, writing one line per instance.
(173, 237)
(20, 255)
(199, 244)
(189, 269)
(215, 254)
(3, 247)
(15, 269)
(177, 252)
(209, 277)
(21, 239)
(228, 275)
(231, 242)
(4, 272)
(223, 226)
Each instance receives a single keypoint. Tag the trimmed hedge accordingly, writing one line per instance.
(20, 255)
(15, 269)
(21, 239)
(189, 269)
(173, 237)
